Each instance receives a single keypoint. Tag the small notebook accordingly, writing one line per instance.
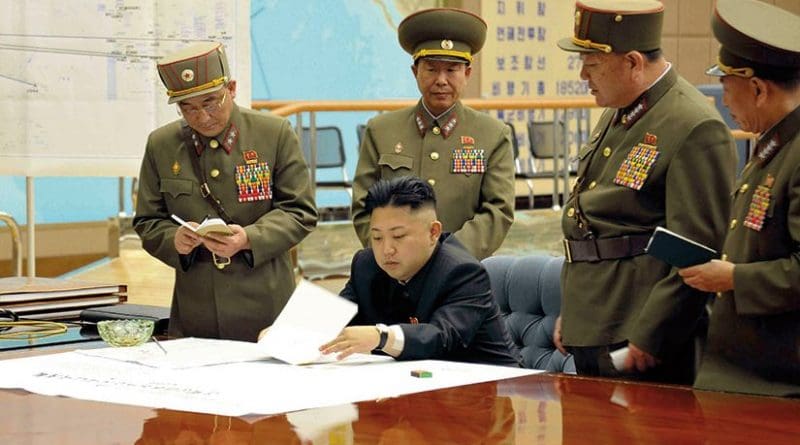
(160, 315)
(677, 250)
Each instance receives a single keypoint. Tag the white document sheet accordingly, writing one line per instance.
(312, 317)
(237, 389)
(183, 353)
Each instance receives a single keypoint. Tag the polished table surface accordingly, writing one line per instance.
(537, 409)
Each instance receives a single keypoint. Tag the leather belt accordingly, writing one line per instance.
(605, 248)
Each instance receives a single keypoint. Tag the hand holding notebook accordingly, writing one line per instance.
(677, 250)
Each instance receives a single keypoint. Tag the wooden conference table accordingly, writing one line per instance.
(537, 409)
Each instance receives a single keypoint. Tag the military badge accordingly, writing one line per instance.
(650, 139)
(447, 44)
(176, 168)
(253, 182)
(450, 125)
(759, 204)
(634, 170)
(250, 157)
(467, 140)
(468, 159)
(187, 75)
(398, 147)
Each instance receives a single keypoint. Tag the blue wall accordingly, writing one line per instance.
(314, 49)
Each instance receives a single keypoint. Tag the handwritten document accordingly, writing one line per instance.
(312, 317)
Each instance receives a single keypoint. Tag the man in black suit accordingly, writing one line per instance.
(433, 295)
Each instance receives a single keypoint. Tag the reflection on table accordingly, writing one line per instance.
(537, 409)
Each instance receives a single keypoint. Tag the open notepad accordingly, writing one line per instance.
(677, 250)
(210, 225)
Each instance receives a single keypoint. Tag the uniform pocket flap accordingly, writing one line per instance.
(176, 187)
(395, 161)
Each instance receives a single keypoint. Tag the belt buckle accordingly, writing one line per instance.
(567, 252)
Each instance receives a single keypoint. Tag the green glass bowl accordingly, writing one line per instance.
(125, 332)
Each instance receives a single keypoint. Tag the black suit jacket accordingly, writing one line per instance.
(449, 298)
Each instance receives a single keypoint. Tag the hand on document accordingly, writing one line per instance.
(353, 339)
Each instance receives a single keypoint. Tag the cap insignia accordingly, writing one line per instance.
(187, 75)
(447, 44)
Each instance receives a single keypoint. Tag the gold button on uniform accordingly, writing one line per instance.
(607, 151)
(214, 173)
(571, 212)
(436, 130)
(435, 156)
(592, 185)
(213, 143)
(743, 188)
(733, 223)
(724, 257)
(432, 182)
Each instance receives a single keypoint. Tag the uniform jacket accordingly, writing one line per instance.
(246, 296)
(754, 336)
(450, 298)
(477, 207)
(673, 131)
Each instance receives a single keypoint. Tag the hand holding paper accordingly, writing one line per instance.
(312, 317)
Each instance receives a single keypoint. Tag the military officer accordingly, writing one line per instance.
(466, 156)
(659, 156)
(754, 332)
(235, 164)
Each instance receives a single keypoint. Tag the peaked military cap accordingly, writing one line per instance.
(193, 71)
(615, 26)
(447, 34)
(758, 39)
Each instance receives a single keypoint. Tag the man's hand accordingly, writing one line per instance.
(227, 246)
(185, 240)
(713, 276)
(557, 337)
(353, 339)
(638, 359)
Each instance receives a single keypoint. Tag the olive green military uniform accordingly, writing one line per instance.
(754, 333)
(666, 160)
(465, 155)
(276, 210)
(476, 206)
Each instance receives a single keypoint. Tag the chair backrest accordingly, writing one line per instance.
(528, 291)
(330, 146)
(514, 141)
(360, 130)
(546, 139)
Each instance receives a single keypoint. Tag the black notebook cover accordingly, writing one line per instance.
(678, 250)
(127, 311)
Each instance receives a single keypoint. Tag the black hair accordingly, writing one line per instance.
(790, 83)
(652, 55)
(400, 192)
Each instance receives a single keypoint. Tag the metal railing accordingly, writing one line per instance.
(16, 241)
(297, 108)
(287, 108)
